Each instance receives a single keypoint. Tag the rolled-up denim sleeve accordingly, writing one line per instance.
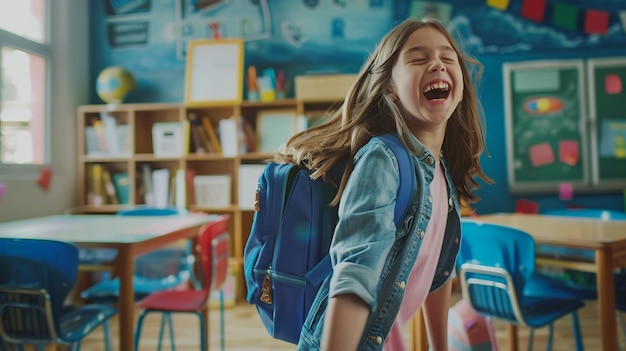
(366, 230)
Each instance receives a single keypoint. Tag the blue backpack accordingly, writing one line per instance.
(286, 256)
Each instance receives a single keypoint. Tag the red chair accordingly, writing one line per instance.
(213, 251)
(526, 206)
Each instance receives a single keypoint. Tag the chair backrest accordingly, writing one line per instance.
(35, 278)
(163, 263)
(494, 263)
(213, 242)
(588, 213)
(526, 206)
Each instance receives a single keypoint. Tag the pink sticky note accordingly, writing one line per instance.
(541, 154)
(613, 84)
(45, 176)
(569, 152)
(2, 189)
(566, 191)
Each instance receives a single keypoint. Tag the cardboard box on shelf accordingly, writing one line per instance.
(323, 87)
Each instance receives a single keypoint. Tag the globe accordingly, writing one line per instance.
(113, 84)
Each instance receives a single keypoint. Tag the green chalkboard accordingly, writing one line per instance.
(607, 101)
(546, 133)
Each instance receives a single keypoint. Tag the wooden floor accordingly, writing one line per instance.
(244, 331)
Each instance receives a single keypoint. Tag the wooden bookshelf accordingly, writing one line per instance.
(135, 151)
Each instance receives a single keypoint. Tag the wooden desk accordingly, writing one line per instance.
(606, 238)
(131, 236)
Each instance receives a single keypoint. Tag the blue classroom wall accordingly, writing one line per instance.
(299, 36)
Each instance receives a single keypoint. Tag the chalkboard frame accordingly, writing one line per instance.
(580, 181)
(597, 115)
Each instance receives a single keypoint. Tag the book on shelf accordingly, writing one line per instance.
(99, 131)
(92, 143)
(248, 180)
(210, 132)
(200, 139)
(95, 195)
(180, 188)
(171, 195)
(196, 139)
(250, 137)
(111, 194)
(121, 182)
(229, 137)
(204, 138)
(105, 137)
(274, 128)
(146, 181)
(110, 134)
(161, 183)
(189, 186)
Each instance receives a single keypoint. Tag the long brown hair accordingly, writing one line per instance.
(370, 109)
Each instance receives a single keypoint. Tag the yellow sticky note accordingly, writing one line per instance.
(499, 4)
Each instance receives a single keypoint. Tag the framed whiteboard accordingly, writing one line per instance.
(214, 71)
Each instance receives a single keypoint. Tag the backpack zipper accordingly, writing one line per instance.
(268, 276)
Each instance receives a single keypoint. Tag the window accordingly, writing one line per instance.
(25, 55)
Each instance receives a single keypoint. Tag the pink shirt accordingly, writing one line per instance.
(421, 276)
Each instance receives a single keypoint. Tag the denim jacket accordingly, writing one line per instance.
(371, 257)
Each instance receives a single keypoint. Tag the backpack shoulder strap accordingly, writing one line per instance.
(405, 194)
(407, 175)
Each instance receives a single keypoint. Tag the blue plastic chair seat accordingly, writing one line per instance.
(79, 322)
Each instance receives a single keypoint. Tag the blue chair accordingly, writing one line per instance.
(35, 278)
(496, 266)
(161, 269)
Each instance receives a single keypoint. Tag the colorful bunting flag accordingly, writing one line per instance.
(565, 16)
(499, 4)
(596, 22)
(534, 10)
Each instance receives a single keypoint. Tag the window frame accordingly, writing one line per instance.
(10, 171)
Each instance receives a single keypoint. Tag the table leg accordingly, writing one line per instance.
(420, 338)
(207, 330)
(513, 344)
(606, 299)
(126, 304)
